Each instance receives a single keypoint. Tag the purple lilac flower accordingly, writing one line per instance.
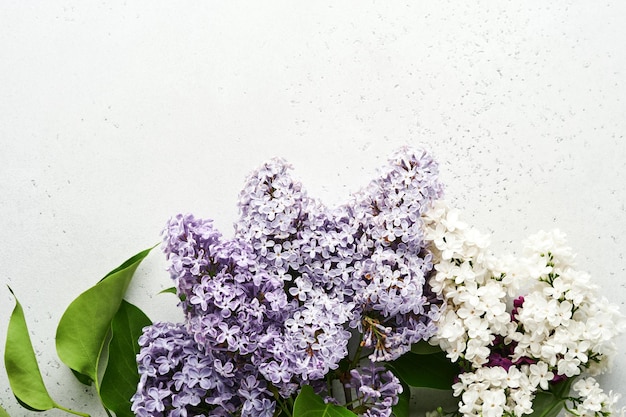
(165, 349)
(377, 390)
(229, 301)
(286, 228)
(188, 245)
(274, 209)
(310, 346)
(395, 306)
(230, 305)
(368, 254)
(179, 379)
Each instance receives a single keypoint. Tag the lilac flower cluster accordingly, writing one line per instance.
(285, 227)
(511, 347)
(275, 307)
(391, 290)
(231, 313)
(377, 390)
(368, 255)
(178, 379)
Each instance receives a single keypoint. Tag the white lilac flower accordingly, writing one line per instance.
(494, 403)
(563, 313)
(540, 375)
(591, 400)
(558, 329)
(468, 278)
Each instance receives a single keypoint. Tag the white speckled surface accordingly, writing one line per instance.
(115, 116)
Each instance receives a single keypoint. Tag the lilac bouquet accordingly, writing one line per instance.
(311, 311)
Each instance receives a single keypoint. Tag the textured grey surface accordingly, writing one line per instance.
(115, 116)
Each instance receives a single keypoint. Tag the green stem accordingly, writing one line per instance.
(569, 410)
(329, 384)
(357, 354)
(348, 394)
(284, 407)
(280, 400)
(106, 410)
(353, 364)
(67, 410)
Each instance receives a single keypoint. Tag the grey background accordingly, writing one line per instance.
(116, 115)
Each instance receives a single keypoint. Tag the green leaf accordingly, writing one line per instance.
(83, 379)
(3, 412)
(431, 371)
(135, 259)
(85, 325)
(550, 403)
(170, 290)
(309, 404)
(121, 376)
(21, 364)
(424, 348)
